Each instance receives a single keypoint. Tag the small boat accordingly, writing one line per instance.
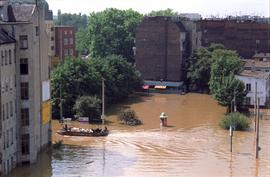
(83, 132)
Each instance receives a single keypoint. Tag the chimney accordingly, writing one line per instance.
(253, 67)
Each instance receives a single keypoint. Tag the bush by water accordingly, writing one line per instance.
(129, 117)
(237, 120)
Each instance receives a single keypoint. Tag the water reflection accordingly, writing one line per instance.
(193, 145)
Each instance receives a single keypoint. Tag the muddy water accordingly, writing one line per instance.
(192, 144)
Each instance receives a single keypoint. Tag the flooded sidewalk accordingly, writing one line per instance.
(193, 145)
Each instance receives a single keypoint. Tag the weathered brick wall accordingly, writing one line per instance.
(239, 36)
(158, 54)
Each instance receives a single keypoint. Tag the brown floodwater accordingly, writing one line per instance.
(193, 145)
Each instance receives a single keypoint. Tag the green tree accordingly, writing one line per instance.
(82, 41)
(166, 12)
(112, 31)
(223, 84)
(199, 67)
(235, 119)
(121, 77)
(77, 20)
(229, 88)
(72, 79)
(88, 106)
(76, 78)
(225, 62)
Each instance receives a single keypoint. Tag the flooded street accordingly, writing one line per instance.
(193, 145)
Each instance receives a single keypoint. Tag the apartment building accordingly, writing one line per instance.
(246, 36)
(29, 71)
(162, 46)
(8, 121)
(64, 41)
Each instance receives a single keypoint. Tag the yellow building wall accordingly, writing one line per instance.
(46, 111)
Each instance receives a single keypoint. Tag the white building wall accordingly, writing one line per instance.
(262, 89)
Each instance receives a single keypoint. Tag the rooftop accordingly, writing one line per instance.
(255, 74)
(262, 55)
(249, 63)
(5, 38)
(23, 12)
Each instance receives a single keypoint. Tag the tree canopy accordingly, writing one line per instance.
(88, 106)
(79, 21)
(223, 84)
(213, 69)
(166, 12)
(199, 67)
(227, 89)
(112, 31)
(76, 78)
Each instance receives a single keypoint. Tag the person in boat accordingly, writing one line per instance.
(66, 127)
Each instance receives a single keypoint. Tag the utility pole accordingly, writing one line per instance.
(61, 105)
(255, 107)
(258, 126)
(231, 135)
(103, 102)
(234, 101)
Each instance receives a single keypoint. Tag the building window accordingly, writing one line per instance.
(14, 57)
(24, 91)
(248, 101)
(65, 41)
(52, 29)
(3, 108)
(71, 41)
(71, 32)
(52, 38)
(52, 47)
(7, 138)
(65, 32)
(4, 138)
(24, 66)
(25, 144)
(23, 42)
(6, 57)
(65, 52)
(2, 57)
(9, 56)
(11, 136)
(11, 108)
(71, 52)
(10, 84)
(7, 115)
(25, 117)
(248, 87)
(37, 31)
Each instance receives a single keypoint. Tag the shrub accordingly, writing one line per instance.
(88, 106)
(129, 117)
(237, 120)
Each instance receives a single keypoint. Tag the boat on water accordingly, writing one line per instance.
(73, 131)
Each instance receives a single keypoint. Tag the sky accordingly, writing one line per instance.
(206, 8)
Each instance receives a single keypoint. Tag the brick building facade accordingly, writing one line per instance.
(160, 46)
(64, 41)
(247, 37)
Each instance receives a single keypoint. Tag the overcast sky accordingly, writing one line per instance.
(204, 7)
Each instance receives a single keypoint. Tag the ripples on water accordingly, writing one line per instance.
(193, 145)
